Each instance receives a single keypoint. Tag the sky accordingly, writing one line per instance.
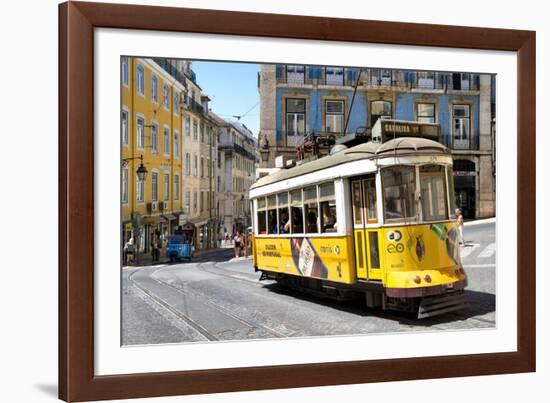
(233, 90)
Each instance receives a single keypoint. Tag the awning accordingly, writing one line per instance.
(199, 223)
(169, 217)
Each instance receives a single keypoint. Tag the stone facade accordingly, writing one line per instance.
(462, 103)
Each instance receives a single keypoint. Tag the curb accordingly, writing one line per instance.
(479, 222)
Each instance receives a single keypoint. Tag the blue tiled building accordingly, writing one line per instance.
(296, 100)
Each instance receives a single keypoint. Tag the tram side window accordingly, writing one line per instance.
(311, 210)
(399, 191)
(370, 199)
(434, 194)
(284, 220)
(272, 215)
(297, 218)
(262, 222)
(357, 204)
(327, 201)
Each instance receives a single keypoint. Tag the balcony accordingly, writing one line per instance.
(194, 106)
(170, 69)
(469, 144)
(377, 78)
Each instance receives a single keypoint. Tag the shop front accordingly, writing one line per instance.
(465, 187)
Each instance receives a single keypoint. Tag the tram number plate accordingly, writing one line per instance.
(450, 286)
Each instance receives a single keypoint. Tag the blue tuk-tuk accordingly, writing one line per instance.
(180, 246)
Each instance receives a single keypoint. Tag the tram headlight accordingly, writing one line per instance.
(427, 278)
(417, 279)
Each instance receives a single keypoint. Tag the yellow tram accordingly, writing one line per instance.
(376, 220)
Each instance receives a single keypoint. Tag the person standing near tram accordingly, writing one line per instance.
(459, 226)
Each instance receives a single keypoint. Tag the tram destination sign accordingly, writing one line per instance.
(387, 129)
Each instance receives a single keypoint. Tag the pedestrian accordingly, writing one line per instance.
(129, 251)
(459, 226)
(237, 243)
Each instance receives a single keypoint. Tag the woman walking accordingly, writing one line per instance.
(238, 242)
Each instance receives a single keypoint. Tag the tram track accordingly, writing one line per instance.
(174, 311)
(205, 302)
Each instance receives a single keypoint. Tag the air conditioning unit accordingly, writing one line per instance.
(152, 206)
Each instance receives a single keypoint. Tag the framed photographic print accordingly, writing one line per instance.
(257, 201)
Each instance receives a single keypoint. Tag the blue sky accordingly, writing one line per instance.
(232, 88)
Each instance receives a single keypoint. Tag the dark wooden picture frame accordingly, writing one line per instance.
(77, 22)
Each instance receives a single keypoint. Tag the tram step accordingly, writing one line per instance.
(433, 306)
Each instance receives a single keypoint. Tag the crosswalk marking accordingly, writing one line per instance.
(467, 250)
(488, 251)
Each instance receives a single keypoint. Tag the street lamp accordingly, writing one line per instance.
(264, 149)
(141, 171)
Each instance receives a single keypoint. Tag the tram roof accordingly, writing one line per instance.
(399, 146)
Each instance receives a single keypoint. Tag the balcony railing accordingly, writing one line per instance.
(471, 143)
(170, 69)
(423, 80)
(194, 106)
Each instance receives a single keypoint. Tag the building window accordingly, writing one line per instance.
(166, 96)
(176, 102)
(380, 77)
(187, 164)
(334, 76)
(154, 138)
(176, 145)
(202, 133)
(194, 202)
(124, 183)
(195, 165)
(219, 160)
(176, 187)
(154, 186)
(462, 81)
(166, 140)
(140, 190)
(295, 74)
(187, 201)
(166, 186)
(140, 80)
(124, 72)
(195, 130)
(380, 110)
(140, 133)
(154, 89)
(295, 117)
(334, 116)
(202, 167)
(461, 125)
(124, 117)
(425, 113)
(425, 79)
(187, 126)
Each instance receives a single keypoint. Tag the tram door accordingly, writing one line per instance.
(365, 231)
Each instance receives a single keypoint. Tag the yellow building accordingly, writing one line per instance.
(151, 116)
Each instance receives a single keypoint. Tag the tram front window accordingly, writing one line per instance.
(434, 194)
(399, 189)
